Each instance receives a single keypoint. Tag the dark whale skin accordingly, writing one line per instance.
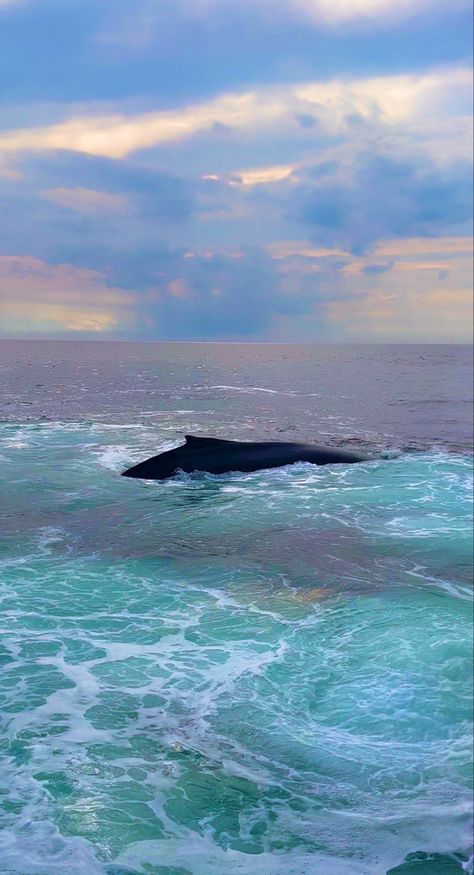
(216, 456)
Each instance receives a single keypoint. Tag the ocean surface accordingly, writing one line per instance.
(250, 674)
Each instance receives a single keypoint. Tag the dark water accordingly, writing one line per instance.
(393, 395)
(266, 673)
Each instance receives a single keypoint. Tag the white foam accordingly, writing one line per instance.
(46, 851)
(114, 457)
(207, 858)
(247, 389)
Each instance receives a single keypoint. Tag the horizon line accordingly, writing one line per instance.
(242, 342)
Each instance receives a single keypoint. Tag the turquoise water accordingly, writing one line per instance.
(263, 673)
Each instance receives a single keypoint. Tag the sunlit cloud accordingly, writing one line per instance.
(40, 298)
(339, 11)
(254, 176)
(178, 288)
(54, 318)
(265, 175)
(389, 249)
(400, 256)
(413, 100)
(430, 315)
(327, 12)
(410, 266)
(424, 246)
(288, 248)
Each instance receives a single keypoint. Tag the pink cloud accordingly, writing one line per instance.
(37, 297)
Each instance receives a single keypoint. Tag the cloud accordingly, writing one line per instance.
(407, 247)
(230, 276)
(86, 200)
(383, 197)
(375, 269)
(425, 246)
(224, 296)
(407, 255)
(8, 170)
(158, 181)
(302, 248)
(430, 315)
(183, 294)
(40, 298)
(335, 12)
(265, 175)
(206, 296)
(329, 13)
(247, 195)
(211, 30)
(81, 209)
(95, 182)
(386, 101)
(398, 293)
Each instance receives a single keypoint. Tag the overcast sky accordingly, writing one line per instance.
(236, 169)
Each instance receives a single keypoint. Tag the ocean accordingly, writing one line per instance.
(265, 673)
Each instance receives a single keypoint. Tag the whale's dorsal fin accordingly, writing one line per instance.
(194, 440)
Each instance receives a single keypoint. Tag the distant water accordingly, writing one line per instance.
(266, 673)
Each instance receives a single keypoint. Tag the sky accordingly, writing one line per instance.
(242, 170)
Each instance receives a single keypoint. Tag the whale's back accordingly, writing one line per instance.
(219, 456)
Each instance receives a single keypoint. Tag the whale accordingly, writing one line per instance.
(213, 455)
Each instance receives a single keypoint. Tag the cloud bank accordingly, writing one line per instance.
(333, 106)
(316, 186)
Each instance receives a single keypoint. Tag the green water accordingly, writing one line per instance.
(263, 673)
